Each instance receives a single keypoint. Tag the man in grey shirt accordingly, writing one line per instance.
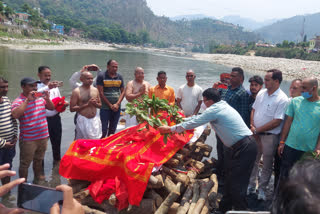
(241, 148)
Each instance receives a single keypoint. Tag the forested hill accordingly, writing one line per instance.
(292, 28)
(134, 16)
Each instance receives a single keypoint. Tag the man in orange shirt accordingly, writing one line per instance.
(162, 91)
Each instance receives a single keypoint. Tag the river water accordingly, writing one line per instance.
(16, 64)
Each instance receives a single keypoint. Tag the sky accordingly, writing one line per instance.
(258, 10)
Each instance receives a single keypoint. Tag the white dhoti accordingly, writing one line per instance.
(130, 121)
(88, 128)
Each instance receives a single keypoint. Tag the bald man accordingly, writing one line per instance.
(85, 100)
(189, 96)
(301, 129)
(135, 89)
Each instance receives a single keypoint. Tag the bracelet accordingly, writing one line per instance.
(282, 142)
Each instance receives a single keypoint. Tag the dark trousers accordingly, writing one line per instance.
(276, 169)
(220, 157)
(239, 161)
(109, 121)
(55, 133)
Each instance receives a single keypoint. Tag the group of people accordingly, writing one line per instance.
(248, 123)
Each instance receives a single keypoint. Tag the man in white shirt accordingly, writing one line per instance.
(53, 117)
(266, 121)
(189, 96)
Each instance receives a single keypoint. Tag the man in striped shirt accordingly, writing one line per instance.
(30, 108)
(8, 129)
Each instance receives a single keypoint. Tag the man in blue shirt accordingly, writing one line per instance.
(240, 147)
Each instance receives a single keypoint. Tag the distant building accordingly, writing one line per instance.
(57, 28)
(75, 32)
(266, 45)
(314, 44)
(22, 16)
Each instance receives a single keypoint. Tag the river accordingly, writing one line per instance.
(14, 65)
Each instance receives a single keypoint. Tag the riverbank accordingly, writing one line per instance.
(291, 68)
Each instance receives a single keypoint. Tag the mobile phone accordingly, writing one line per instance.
(38, 198)
(39, 94)
(92, 68)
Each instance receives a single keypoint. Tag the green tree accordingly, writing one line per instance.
(8, 11)
(1, 7)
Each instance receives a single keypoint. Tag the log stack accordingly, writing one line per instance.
(184, 185)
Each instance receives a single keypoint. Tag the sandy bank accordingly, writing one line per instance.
(291, 68)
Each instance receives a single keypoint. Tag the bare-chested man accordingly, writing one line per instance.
(85, 100)
(135, 89)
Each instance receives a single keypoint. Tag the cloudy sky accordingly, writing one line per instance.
(256, 9)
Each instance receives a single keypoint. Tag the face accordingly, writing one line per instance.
(295, 89)
(3, 89)
(45, 76)
(226, 81)
(113, 67)
(29, 87)
(235, 79)
(139, 75)
(207, 102)
(190, 76)
(255, 87)
(269, 82)
(87, 79)
(162, 79)
(307, 87)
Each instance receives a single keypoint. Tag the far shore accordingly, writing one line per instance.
(291, 68)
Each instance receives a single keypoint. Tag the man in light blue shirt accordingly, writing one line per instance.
(241, 148)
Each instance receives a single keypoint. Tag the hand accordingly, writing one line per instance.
(5, 210)
(317, 151)
(93, 101)
(216, 84)
(280, 149)
(84, 68)
(142, 90)
(164, 129)
(9, 144)
(32, 95)
(66, 104)
(115, 107)
(4, 172)
(46, 95)
(70, 205)
(53, 84)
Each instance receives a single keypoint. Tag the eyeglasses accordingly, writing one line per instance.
(190, 76)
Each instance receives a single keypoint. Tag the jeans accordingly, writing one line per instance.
(109, 121)
(239, 162)
(220, 158)
(55, 133)
(7, 155)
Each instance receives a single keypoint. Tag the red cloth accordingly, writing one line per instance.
(223, 86)
(224, 76)
(129, 155)
(59, 104)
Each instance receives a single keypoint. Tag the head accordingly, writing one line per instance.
(309, 87)
(139, 74)
(225, 78)
(86, 78)
(236, 77)
(162, 78)
(211, 96)
(300, 193)
(112, 66)
(256, 84)
(3, 87)
(44, 74)
(295, 88)
(273, 79)
(28, 84)
(190, 76)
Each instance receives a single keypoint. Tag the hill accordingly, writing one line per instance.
(191, 17)
(247, 23)
(135, 17)
(290, 29)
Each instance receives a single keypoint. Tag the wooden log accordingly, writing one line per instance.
(173, 163)
(172, 197)
(153, 195)
(192, 174)
(169, 184)
(177, 177)
(213, 193)
(184, 151)
(179, 156)
(112, 199)
(204, 190)
(184, 204)
(206, 208)
(104, 206)
(174, 208)
(88, 210)
(204, 146)
(82, 194)
(78, 185)
(195, 196)
(155, 181)
(198, 165)
(207, 131)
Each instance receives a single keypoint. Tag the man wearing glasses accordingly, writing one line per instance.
(189, 96)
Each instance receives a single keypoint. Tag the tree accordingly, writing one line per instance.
(1, 8)
(8, 11)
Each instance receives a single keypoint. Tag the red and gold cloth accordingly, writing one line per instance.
(129, 156)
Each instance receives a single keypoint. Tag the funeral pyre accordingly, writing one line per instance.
(138, 170)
